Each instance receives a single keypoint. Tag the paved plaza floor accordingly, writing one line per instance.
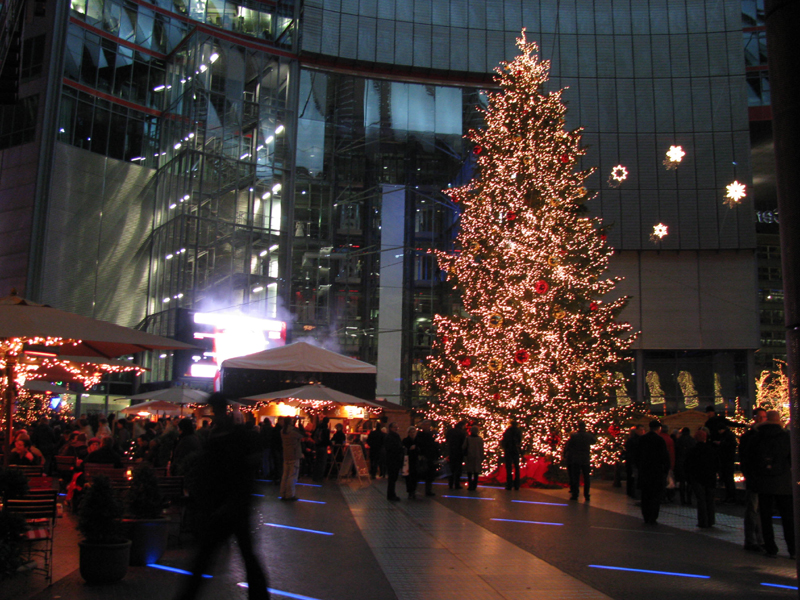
(347, 543)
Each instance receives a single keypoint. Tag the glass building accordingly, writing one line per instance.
(289, 160)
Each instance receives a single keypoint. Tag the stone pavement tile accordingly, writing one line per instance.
(453, 558)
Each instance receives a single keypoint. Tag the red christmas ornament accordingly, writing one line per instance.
(602, 235)
(465, 362)
(564, 158)
(593, 306)
(614, 430)
(477, 150)
(444, 339)
(521, 356)
(495, 396)
(511, 216)
(541, 287)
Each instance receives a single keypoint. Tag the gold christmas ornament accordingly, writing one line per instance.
(495, 320)
(553, 261)
(559, 312)
(455, 378)
(495, 364)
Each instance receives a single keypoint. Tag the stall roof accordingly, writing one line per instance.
(314, 392)
(300, 356)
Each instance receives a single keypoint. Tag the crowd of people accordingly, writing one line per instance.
(696, 464)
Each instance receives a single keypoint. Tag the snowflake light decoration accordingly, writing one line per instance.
(735, 192)
(659, 232)
(618, 175)
(675, 155)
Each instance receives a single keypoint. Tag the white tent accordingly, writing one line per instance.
(300, 356)
(313, 392)
(177, 395)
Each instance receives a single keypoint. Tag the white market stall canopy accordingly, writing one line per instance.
(294, 365)
(177, 395)
(314, 392)
(300, 356)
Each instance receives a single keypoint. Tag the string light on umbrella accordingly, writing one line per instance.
(674, 157)
(618, 175)
(660, 231)
(735, 192)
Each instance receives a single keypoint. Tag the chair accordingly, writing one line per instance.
(94, 469)
(65, 465)
(39, 512)
(30, 470)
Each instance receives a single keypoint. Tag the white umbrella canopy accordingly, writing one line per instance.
(156, 406)
(313, 392)
(22, 319)
(176, 395)
(25, 324)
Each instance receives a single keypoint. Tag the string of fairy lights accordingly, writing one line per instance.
(538, 340)
(36, 365)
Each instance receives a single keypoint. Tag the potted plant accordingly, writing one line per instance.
(145, 524)
(104, 551)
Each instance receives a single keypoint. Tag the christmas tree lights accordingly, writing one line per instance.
(538, 340)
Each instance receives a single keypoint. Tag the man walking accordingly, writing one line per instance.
(512, 449)
(577, 454)
(770, 461)
(753, 539)
(455, 454)
(654, 464)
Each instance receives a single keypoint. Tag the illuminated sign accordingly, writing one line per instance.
(224, 336)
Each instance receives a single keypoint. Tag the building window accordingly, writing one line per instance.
(32, 57)
(18, 122)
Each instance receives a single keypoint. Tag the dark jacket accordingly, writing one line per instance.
(683, 445)
(511, 442)
(428, 446)
(769, 460)
(701, 465)
(653, 461)
(394, 450)
(455, 443)
(578, 450)
(375, 441)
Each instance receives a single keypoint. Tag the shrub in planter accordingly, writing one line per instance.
(11, 528)
(13, 483)
(104, 551)
(144, 524)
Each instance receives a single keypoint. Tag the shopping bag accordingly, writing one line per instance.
(404, 470)
(670, 481)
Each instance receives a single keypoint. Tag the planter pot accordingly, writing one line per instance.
(104, 563)
(149, 539)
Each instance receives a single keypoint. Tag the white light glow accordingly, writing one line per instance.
(735, 192)
(213, 58)
(276, 188)
(258, 289)
(270, 139)
(201, 370)
(279, 129)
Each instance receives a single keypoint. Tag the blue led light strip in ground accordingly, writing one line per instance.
(468, 497)
(777, 585)
(309, 484)
(244, 585)
(650, 572)
(298, 529)
(311, 501)
(174, 570)
(544, 503)
(258, 495)
(281, 593)
(531, 522)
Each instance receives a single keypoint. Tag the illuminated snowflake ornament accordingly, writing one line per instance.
(659, 232)
(674, 157)
(618, 175)
(735, 192)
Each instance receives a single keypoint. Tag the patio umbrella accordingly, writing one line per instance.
(154, 406)
(25, 325)
(176, 395)
(314, 392)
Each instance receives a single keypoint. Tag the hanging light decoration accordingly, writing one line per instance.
(734, 194)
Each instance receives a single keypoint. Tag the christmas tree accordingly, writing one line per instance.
(537, 340)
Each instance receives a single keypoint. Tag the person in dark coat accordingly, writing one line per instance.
(223, 489)
(187, 447)
(653, 463)
(428, 454)
(375, 442)
(701, 473)
(753, 538)
(683, 444)
(577, 455)
(727, 459)
(455, 454)
(511, 443)
(770, 462)
(276, 451)
(393, 446)
(412, 451)
(322, 441)
(265, 436)
(631, 459)
(104, 453)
